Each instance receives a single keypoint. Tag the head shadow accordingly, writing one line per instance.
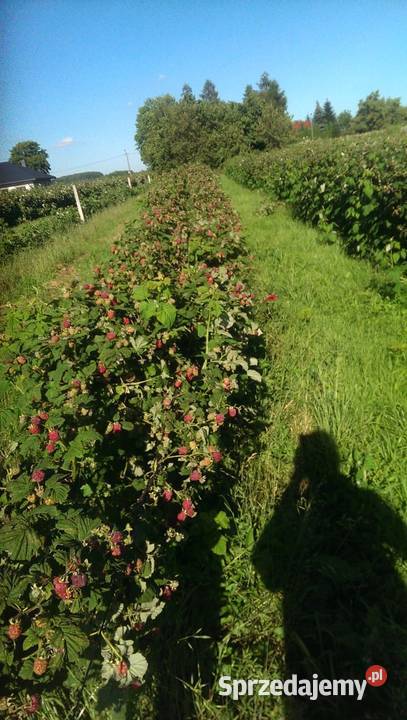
(331, 549)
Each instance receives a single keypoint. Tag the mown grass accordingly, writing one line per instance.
(68, 254)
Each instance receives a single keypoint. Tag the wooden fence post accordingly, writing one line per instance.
(78, 204)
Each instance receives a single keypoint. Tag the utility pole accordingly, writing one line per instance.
(129, 170)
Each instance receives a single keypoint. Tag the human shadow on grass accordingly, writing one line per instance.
(331, 548)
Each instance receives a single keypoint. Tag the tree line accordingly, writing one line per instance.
(207, 129)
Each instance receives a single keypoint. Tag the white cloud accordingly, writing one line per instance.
(65, 141)
(162, 77)
(130, 104)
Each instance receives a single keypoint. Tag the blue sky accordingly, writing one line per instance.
(74, 72)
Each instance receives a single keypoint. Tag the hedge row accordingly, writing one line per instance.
(356, 187)
(41, 213)
(35, 233)
(127, 393)
(17, 206)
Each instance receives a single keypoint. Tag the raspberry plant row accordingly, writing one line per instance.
(353, 186)
(126, 394)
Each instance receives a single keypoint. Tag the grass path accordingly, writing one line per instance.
(68, 254)
(339, 350)
(314, 575)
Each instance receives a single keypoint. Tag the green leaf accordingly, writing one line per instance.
(138, 665)
(166, 315)
(77, 527)
(222, 520)
(220, 547)
(20, 488)
(254, 375)
(20, 541)
(56, 490)
(75, 640)
(140, 293)
(148, 309)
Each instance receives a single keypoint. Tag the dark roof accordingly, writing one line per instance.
(11, 174)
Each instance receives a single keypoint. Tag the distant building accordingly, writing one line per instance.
(16, 176)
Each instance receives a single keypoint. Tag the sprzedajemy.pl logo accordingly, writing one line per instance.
(313, 689)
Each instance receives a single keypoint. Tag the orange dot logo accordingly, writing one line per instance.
(376, 675)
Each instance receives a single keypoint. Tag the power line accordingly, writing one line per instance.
(96, 162)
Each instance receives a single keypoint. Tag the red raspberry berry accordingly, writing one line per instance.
(122, 668)
(232, 412)
(195, 476)
(34, 705)
(38, 476)
(167, 495)
(79, 580)
(216, 455)
(111, 335)
(117, 537)
(188, 418)
(220, 418)
(183, 450)
(102, 368)
(14, 631)
(53, 435)
(166, 592)
(116, 551)
(116, 427)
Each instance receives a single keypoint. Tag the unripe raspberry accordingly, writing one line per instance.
(40, 666)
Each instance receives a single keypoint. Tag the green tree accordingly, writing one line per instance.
(271, 91)
(31, 154)
(209, 92)
(329, 113)
(344, 121)
(186, 94)
(376, 112)
(331, 128)
(318, 118)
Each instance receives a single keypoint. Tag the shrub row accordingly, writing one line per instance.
(127, 392)
(38, 214)
(19, 206)
(36, 232)
(356, 187)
